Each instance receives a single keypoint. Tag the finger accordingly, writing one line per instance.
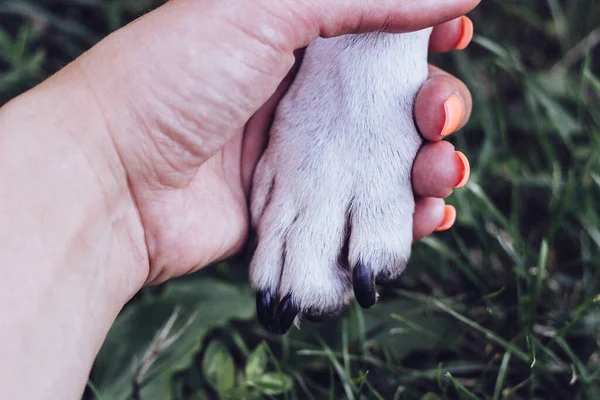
(432, 215)
(334, 18)
(439, 169)
(452, 35)
(443, 105)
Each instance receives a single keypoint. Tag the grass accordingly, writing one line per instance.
(505, 305)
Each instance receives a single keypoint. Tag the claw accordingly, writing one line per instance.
(323, 316)
(264, 308)
(286, 313)
(363, 281)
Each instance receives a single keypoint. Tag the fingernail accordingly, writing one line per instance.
(464, 168)
(453, 110)
(467, 33)
(449, 219)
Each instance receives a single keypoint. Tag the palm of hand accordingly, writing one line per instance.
(204, 222)
(207, 220)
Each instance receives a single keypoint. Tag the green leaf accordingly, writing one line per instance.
(257, 362)
(203, 303)
(404, 325)
(274, 383)
(218, 367)
(243, 393)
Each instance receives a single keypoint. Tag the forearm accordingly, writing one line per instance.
(69, 240)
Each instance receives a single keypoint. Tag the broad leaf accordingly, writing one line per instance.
(257, 362)
(218, 367)
(274, 383)
(203, 304)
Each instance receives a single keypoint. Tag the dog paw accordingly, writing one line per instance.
(332, 202)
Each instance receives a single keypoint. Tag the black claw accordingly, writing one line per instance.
(314, 316)
(286, 313)
(264, 308)
(363, 281)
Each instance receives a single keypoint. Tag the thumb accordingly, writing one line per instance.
(328, 18)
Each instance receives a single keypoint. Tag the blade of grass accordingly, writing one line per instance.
(501, 376)
(374, 392)
(461, 388)
(345, 350)
(474, 325)
(347, 383)
(95, 391)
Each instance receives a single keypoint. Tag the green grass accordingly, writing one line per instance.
(505, 305)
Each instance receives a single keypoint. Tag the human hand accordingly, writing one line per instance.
(188, 93)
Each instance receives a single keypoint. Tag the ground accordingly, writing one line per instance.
(502, 306)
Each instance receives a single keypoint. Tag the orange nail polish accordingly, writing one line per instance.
(464, 168)
(449, 219)
(467, 33)
(454, 112)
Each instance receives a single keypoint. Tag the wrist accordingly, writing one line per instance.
(72, 244)
(69, 159)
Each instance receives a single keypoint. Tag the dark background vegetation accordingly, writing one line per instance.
(503, 306)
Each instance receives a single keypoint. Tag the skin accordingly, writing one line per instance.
(132, 165)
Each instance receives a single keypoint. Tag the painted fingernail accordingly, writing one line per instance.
(449, 219)
(464, 168)
(467, 33)
(454, 112)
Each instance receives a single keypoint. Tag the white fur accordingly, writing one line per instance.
(339, 161)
